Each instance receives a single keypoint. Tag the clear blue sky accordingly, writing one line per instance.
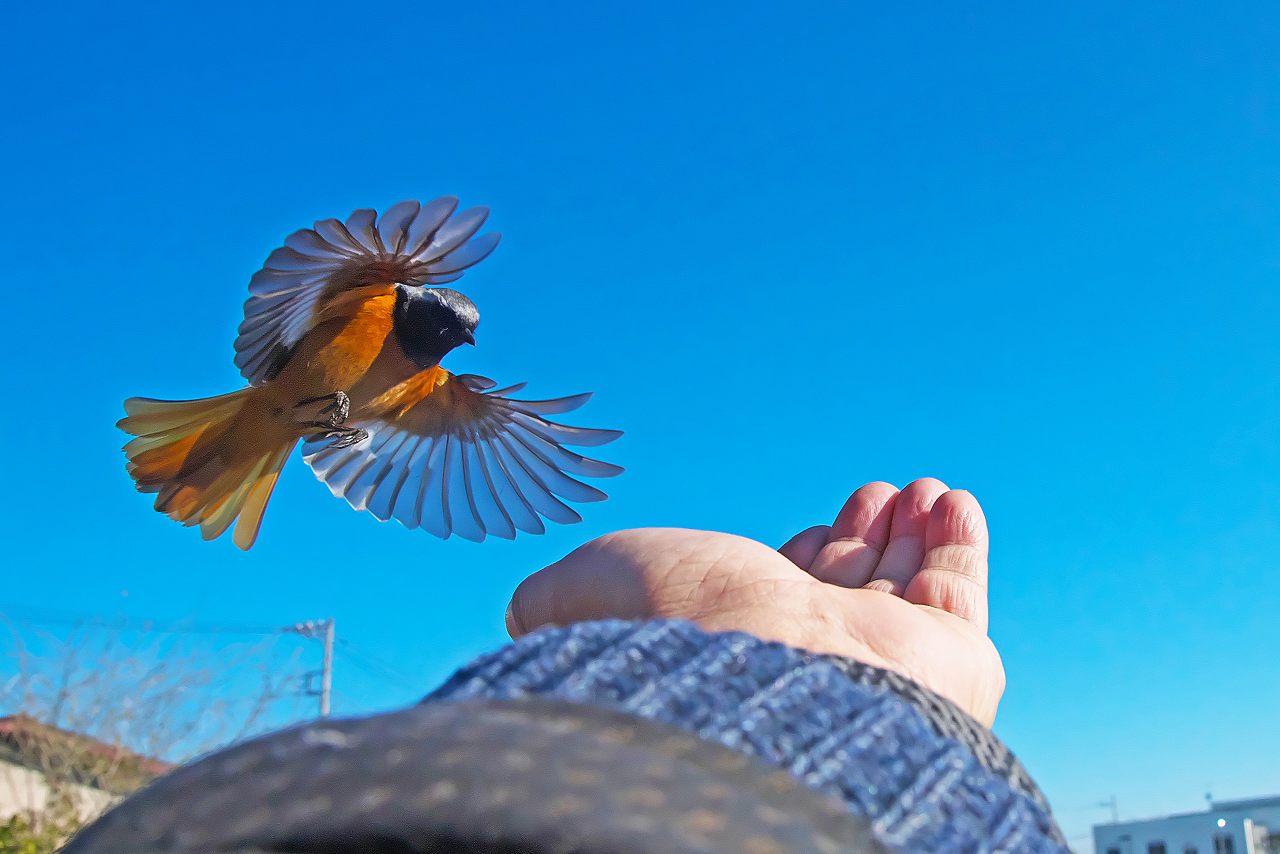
(1033, 252)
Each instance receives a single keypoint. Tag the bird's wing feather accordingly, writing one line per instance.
(451, 455)
(411, 243)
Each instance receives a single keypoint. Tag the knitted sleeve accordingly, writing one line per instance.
(928, 776)
(612, 737)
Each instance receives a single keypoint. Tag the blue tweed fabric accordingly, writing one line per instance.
(927, 776)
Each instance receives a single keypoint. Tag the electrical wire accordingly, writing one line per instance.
(47, 617)
(375, 666)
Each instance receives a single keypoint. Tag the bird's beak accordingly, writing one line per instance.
(469, 337)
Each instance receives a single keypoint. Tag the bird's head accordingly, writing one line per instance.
(458, 316)
(432, 321)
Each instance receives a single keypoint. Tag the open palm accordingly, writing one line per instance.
(897, 581)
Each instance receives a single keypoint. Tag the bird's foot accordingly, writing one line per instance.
(344, 437)
(337, 407)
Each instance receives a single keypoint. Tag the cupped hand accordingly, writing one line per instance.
(898, 580)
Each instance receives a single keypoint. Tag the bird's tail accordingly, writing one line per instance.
(208, 461)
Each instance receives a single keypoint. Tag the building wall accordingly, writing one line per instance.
(23, 790)
(1182, 833)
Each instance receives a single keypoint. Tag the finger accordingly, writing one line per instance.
(804, 546)
(905, 551)
(953, 575)
(593, 582)
(857, 538)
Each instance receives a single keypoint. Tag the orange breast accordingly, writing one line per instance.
(354, 350)
(339, 354)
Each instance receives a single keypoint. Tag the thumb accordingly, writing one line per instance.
(603, 579)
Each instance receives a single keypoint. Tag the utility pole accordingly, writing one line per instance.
(326, 675)
(321, 630)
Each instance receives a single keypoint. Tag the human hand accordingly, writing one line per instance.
(898, 581)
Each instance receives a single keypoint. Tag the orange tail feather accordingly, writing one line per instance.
(209, 461)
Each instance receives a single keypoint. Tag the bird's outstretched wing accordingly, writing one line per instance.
(411, 243)
(453, 456)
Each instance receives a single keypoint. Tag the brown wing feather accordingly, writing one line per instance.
(312, 273)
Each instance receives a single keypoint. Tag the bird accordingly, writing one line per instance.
(343, 333)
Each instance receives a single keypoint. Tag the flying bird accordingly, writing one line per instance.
(343, 333)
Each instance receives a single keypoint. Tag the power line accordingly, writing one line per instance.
(320, 630)
(315, 629)
(46, 617)
(374, 666)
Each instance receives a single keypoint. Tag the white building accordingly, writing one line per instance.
(35, 757)
(1227, 827)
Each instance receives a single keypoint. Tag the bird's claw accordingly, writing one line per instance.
(343, 437)
(337, 408)
(348, 437)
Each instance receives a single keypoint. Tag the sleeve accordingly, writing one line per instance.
(927, 775)
(615, 736)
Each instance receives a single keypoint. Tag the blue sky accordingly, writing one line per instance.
(1031, 251)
